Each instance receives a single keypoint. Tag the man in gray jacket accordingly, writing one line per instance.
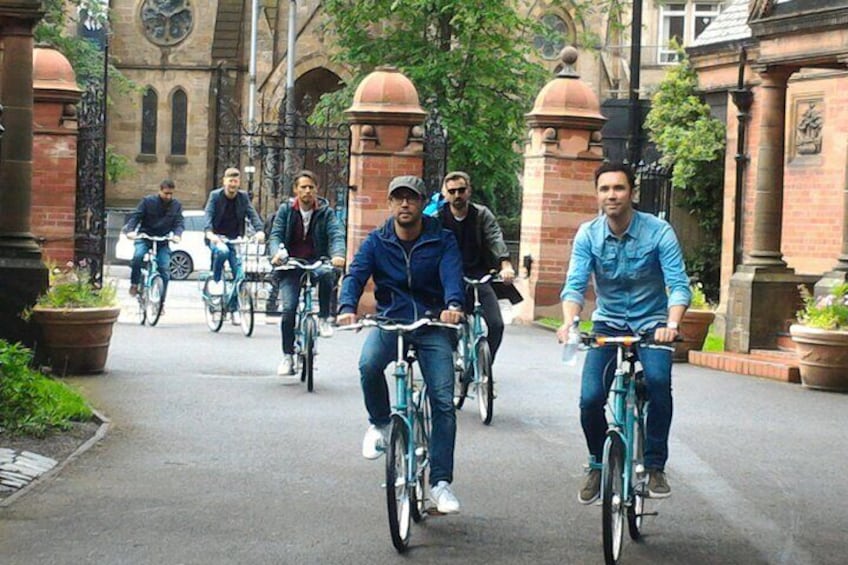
(481, 243)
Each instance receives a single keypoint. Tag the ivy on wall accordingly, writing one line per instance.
(693, 143)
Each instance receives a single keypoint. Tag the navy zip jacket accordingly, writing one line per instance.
(408, 286)
(152, 217)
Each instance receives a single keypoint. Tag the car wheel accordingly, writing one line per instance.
(181, 265)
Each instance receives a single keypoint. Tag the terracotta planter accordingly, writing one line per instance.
(75, 341)
(822, 357)
(693, 329)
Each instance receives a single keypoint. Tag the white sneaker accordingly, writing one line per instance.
(286, 366)
(324, 328)
(374, 442)
(236, 318)
(216, 287)
(443, 497)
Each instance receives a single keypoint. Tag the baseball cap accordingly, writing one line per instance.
(408, 181)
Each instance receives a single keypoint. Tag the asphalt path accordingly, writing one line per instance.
(212, 458)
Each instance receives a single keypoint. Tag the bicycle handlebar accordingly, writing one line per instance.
(646, 337)
(487, 278)
(152, 237)
(390, 325)
(295, 263)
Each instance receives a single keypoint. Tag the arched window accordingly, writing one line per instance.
(149, 104)
(179, 116)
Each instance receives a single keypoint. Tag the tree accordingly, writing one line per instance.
(693, 143)
(468, 58)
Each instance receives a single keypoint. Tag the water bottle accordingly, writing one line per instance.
(569, 349)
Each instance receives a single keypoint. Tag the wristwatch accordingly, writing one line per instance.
(672, 325)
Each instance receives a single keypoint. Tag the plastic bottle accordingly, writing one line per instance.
(569, 349)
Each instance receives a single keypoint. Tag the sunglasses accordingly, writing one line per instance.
(460, 190)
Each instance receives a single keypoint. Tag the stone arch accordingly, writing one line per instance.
(311, 85)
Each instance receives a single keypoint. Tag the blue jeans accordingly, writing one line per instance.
(163, 261)
(656, 365)
(289, 285)
(222, 253)
(435, 357)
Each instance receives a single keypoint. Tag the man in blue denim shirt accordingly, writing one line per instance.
(640, 285)
(417, 269)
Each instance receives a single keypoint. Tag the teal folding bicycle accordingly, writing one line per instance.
(473, 361)
(236, 297)
(624, 482)
(151, 289)
(306, 320)
(408, 447)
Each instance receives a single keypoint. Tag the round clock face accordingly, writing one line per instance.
(166, 22)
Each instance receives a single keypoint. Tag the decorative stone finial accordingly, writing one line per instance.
(568, 55)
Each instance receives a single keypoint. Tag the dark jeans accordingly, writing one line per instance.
(656, 364)
(223, 253)
(491, 313)
(289, 285)
(435, 357)
(163, 261)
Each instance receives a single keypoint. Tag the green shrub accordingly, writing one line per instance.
(30, 402)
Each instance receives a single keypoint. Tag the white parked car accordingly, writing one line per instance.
(187, 256)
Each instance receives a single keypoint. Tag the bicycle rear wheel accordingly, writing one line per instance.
(637, 508)
(310, 331)
(485, 382)
(612, 498)
(154, 299)
(397, 487)
(245, 298)
(422, 455)
(213, 308)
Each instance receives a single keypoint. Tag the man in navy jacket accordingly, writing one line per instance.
(157, 215)
(226, 211)
(417, 272)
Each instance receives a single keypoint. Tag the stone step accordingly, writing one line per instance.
(770, 364)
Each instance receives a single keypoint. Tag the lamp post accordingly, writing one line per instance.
(634, 144)
(291, 108)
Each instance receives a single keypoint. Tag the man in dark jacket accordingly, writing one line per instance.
(226, 211)
(157, 215)
(481, 243)
(417, 270)
(306, 228)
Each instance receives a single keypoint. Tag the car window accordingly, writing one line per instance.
(194, 223)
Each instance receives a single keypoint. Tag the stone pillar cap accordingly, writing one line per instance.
(566, 100)
(386, 91)
(53, 73)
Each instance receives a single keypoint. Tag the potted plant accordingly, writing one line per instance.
(821, 339)
(694, 326)
(75, 318)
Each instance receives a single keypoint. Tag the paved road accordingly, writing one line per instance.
(213, 459)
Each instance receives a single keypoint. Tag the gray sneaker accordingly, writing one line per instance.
(657, 484)
(591, 489)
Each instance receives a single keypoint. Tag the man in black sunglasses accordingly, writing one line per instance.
(482, 245)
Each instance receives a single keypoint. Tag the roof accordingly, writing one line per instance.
(730, 25)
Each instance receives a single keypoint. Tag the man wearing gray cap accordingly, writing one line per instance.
(417, 271)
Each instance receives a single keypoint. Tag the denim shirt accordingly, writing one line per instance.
(632, 272)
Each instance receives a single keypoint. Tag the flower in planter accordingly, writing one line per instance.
(72, 287)
(828, 312)
(699, 299)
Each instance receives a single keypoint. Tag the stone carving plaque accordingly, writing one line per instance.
(808, 129)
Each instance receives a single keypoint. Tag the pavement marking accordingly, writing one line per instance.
(774, 542)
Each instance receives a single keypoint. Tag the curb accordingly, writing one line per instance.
(105, 424)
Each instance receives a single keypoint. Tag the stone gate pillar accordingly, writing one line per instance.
(23, 275)
(386, 140)
(559, 190)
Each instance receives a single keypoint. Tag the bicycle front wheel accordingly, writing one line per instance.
(213, 308)
(310, 331)
(245, 298)
(460, 383)
(141, 307)
(612, 498)
(154, 299)
(397, 487)
(485, 382)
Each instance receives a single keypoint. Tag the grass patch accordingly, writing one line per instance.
(555, 323)
(32, 403)
(714, 342)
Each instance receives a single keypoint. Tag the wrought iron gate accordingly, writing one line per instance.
(265, 146)
(435, 151)
(90, 212)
